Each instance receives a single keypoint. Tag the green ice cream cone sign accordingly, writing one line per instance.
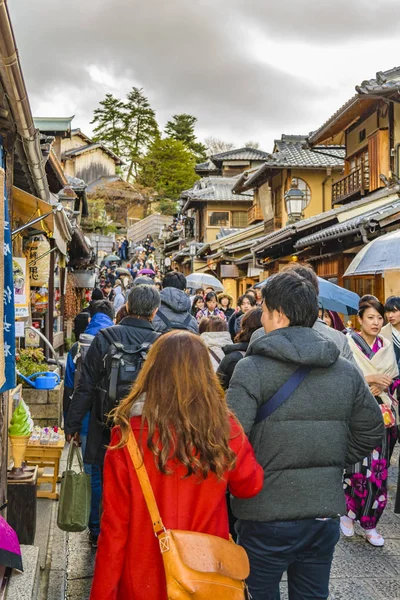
(21, 422)
(19, 431)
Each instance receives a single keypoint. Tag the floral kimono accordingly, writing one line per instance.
(205, 312)
(365, 483)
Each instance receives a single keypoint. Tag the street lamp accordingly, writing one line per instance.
(192, 254)
(296, 202)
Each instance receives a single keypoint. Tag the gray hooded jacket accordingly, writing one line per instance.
(330, 421)
(175, 305)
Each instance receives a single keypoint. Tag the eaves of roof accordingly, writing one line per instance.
(243, 259)
(88, 148)
(277, 237)
(243, 245)
(238, 236)
(239, 154)
(347, 114)
(389, 213)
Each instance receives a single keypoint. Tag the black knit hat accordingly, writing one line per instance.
(97, 294)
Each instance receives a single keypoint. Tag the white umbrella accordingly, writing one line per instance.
(378, 256)
(197, 280)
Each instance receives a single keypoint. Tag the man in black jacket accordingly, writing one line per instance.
(134, 330)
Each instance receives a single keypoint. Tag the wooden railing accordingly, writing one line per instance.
(356, 182)
(254, 214)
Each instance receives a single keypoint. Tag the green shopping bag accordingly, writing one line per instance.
(75, 496)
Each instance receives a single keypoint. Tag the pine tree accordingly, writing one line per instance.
(140, 129)
(181, 128)
(109, 123)
(168, 168)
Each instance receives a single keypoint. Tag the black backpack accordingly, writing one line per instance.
(175, 324)
(121, 365)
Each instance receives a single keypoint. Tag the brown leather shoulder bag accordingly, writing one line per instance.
(197, 565)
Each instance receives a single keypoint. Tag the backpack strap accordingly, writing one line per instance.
(282, 394)
(187, 320)
(164, 318)
(112, 388)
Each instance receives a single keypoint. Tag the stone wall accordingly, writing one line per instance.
(45, 405)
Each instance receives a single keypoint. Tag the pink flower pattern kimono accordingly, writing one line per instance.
(365, 483)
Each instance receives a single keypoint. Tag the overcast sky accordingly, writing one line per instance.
(247, 69)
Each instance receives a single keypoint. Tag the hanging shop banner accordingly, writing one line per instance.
(21, 287)
(7, 335)
(38, 261)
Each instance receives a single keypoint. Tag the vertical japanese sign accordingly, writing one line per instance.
(7, 337)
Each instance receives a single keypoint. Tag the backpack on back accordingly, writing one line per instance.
(85, 339)
(121, 364)
(175, 324)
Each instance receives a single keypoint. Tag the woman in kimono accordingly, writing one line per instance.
(365, 483)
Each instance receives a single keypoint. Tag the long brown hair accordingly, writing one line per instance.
(249, 324)
(185, 407)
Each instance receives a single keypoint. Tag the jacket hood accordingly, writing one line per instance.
(216, 338)
(97, 322)
(299, 345)
(176, 300)
(238, 347)
(118, 290)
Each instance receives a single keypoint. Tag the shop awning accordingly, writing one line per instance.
(26, 208)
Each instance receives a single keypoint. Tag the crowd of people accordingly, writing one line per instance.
(268, 420)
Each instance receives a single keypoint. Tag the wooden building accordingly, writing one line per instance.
(313, 170)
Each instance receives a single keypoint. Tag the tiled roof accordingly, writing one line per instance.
(239, 154)
(206, 166)
(292, 153)
(384, 81)
(367, 219)
(214, 189)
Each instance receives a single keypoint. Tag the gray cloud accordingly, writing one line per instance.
(323, 21)
(189, 56)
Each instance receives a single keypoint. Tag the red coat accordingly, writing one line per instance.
(128, 561)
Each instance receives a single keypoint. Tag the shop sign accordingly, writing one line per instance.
(21, 287)
(38, 262)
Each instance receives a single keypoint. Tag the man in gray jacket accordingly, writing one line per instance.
(174, 312)
(339, 339)
(330, 420)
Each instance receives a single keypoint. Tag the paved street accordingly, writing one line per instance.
(360, 572)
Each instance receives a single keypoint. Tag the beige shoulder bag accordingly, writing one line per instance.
(197, 566)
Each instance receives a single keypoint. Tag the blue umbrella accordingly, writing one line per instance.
(332, 297)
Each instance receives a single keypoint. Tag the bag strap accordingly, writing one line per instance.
(362, 344)
(138, 464)
(73, 449)
(187, 320)
(282, 394)
(164, 318)
(112, 388)
(215, 356)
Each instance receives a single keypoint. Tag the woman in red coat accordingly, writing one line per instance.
(193, 450)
